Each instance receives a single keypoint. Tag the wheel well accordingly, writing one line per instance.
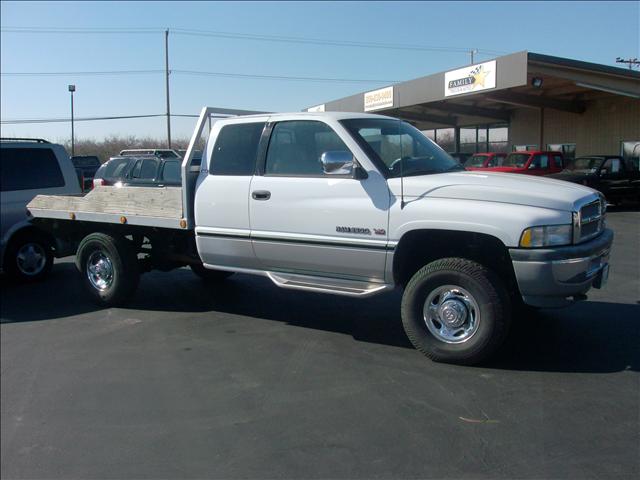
(421, 247)
(26, 231)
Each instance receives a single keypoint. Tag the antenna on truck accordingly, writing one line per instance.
(402, 204)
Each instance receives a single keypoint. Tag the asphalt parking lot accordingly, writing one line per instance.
(245, 380)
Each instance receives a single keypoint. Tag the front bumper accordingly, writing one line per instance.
(548, 277)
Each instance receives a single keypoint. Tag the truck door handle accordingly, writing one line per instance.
(261, 195)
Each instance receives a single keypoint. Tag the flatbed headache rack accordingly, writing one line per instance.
(163, 207)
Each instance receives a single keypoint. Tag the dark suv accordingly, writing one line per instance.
(146, 171)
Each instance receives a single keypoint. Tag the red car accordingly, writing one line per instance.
(531, 163)
(480, 161)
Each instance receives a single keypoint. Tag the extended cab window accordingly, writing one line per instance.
(235, 150)
(29, 169)
(295, 148)
(398, 148)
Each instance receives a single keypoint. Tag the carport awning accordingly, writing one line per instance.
(522, 79)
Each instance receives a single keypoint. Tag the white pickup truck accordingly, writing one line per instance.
(348, 204)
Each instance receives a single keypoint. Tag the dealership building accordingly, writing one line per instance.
(521, 101)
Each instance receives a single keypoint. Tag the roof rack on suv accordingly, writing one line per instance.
(36, 140)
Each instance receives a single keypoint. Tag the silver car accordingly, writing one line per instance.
(29, 167)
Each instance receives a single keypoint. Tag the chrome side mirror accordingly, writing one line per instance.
(339, 162)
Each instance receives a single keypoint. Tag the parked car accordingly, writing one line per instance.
(531, 163)
(480, 161)
(460, 157)
(159, 152)
(618, 179)
(313, 203)
(86, 166)
(145, 170)
(29, 167)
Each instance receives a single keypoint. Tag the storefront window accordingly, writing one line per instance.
(630, 151)
(524, 148)
(568, 150)
(482, 139)
(445, 137)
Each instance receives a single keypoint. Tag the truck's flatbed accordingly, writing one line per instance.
(145, 206)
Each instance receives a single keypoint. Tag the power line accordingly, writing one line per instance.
(200, 73)
(282, 77)
(248, 36)
(84, 119)
(91, 119)
(106, 72)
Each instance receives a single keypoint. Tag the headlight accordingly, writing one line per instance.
(546, 236)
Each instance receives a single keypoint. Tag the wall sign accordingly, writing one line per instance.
(378, 99)
(474, 78)
(317, 108)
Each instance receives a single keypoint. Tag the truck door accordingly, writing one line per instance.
(222, 195)
(308, 222)
(614, 179)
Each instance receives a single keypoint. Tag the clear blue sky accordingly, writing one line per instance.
(590, 31)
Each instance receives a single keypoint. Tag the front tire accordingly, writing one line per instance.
(109, 268)
(455, 310)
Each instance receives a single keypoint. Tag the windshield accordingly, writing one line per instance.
(475, 161)
(398, 148)
(585, 164)
(516, 160)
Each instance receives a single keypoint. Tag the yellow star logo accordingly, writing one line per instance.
(479, 78)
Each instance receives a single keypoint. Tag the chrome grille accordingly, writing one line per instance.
(589, 220)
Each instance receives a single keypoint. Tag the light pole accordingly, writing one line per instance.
(72, 88)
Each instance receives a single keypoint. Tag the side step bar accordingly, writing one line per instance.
(335, 286)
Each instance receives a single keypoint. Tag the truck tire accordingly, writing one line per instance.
(209, 275)
(455, 310)
(29, 256)
(109, 268)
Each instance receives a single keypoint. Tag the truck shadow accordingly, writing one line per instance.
(596, 337)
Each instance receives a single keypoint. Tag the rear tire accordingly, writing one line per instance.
(109, 268)
(29, 256)
(209, 275)
(455, 310)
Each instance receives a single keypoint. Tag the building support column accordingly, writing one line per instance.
(541, 145)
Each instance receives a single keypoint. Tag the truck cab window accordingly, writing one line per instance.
(235, 150)
(171, 171)
(296, 147)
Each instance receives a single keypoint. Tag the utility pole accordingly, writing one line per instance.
(472, 52)
(631, 61)
(72, 88)
(166, 70)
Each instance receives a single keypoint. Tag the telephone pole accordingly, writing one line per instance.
(632, 62)
(166, 70)
(472, 52)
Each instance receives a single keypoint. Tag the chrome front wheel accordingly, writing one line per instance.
(451, 314)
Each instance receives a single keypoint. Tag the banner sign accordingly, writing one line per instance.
(470, 79)
(378, 99)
